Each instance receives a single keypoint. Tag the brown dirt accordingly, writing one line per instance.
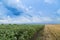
(51, 32)
(36, 35)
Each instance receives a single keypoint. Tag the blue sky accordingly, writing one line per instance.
(30, 11)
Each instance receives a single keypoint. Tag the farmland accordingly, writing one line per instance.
(20, 32)
(52, 32)
(29, 32)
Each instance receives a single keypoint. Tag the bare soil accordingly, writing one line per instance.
(51, 32)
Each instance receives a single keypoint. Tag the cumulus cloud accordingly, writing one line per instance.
(15, 20)
(7, 8)
(34, 19)
(15, 4)
(14, 11)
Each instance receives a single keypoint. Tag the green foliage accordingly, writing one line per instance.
(18, 32)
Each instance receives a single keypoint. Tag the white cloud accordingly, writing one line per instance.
(58, 19)
(35, 16)
(34, 19)
(17, 0)
(14, 3)
(15, 20)
(46, 19)
(3, 21)
(50, 1)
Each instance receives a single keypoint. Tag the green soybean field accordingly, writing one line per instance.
(20, 31)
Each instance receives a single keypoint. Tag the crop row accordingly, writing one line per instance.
(18, 32)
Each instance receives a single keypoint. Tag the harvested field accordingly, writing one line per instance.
(51, 32)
